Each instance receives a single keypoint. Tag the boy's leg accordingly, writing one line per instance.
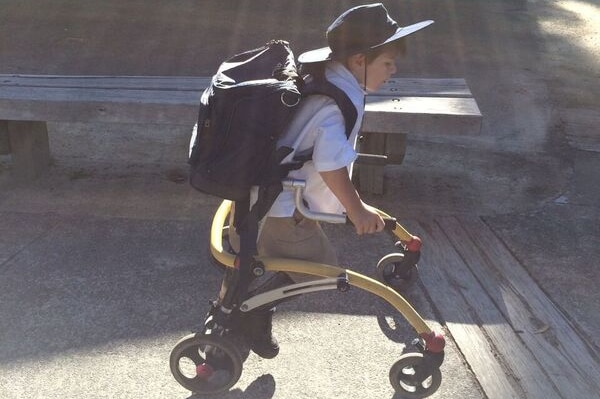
(296, 238)
(291, 237)
(257, 324)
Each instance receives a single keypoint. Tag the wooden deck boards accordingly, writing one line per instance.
(516, 341)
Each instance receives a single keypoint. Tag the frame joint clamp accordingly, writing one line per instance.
(343, 283)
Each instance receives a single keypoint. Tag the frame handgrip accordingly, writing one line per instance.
(298, 187)
(390, 222)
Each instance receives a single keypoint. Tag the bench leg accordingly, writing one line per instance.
(370, 177)
(395, 147)
(4, 141)
(29, 146)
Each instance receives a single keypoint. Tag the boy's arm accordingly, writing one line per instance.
(365, 220)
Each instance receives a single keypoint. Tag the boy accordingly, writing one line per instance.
(363, 44)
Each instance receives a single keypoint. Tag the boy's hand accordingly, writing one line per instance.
(366, 220)
(364, 217)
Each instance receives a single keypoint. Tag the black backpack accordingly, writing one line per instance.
(248, 105)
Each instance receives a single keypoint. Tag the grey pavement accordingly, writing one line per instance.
(104, 263)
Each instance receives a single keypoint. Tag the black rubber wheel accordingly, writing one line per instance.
(402, 378)
(391, 272)
(206, 364)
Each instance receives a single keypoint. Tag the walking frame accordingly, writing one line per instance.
(213, 356)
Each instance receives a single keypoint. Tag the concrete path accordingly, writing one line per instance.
(96, 290)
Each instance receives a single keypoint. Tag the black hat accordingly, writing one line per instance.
(358, 30)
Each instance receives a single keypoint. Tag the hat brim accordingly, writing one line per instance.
(325, 54)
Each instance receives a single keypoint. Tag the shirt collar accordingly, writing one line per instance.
(340, 76)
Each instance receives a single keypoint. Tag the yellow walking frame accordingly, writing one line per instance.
(215, 352)
(321, 270)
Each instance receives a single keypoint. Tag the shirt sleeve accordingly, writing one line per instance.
(332, 149)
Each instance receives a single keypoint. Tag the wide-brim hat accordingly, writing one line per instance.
(358, 30)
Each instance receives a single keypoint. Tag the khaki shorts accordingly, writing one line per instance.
(296, 238)
(292, 237)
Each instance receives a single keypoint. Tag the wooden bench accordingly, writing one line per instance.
(27, 102)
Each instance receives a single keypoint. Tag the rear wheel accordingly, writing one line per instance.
(206, 364)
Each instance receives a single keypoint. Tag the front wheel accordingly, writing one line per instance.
(402, 377)
(392, 271)
(206, 364)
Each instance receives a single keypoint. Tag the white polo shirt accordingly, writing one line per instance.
(319, 124)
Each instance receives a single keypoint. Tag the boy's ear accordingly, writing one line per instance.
(357, 65)
(357, 60)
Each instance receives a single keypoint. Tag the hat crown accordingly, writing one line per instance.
(359, 29)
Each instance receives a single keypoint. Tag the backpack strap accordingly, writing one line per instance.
(320, 85)
(317, 84)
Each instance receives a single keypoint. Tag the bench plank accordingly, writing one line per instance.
(168, 83)
(74, 94)
(414, 115)
(98, 105)
(422, 115)
(425, 87)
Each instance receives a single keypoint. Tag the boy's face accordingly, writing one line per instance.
(380, 70)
